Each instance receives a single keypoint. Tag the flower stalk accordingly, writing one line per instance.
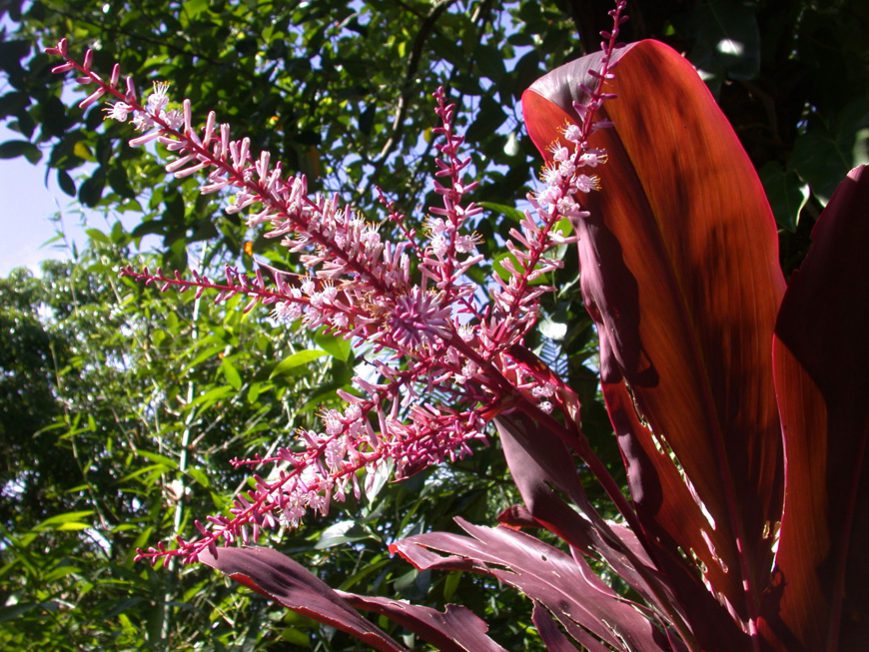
(441, 344)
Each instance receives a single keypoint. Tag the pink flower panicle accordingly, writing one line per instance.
(446, 361)
(515, 302)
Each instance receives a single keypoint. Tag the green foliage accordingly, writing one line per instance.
(135, 402)
(99, 467)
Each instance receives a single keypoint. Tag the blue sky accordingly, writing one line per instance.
(26, 206)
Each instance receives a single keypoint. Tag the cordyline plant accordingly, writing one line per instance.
(740, 403)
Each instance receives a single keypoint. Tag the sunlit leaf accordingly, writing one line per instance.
(680, 269)
(295, 360)
(821, 580)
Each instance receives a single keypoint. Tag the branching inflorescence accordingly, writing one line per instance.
(410, 301)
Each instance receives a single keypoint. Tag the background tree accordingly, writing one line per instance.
(340, 91)
(150, 399)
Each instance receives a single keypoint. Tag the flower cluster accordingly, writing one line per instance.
(447, 358)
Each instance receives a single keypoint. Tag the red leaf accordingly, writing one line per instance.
(543, 471)
(567, 587)
(457, 628)
(680, 271)
(287, 582)
(552, 637)
(663, 500)
(821, 597)
(665, 505)
(541, 466)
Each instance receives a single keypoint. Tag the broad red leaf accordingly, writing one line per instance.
(664, 505)
(552, 637)
(456, 628)
(821, 596)
(287, 582)
(664, 502)
(567, 587)
(543, 471)
(680, 270)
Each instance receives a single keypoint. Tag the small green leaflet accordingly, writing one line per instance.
(296, 360)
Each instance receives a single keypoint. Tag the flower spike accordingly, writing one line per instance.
(444, 353)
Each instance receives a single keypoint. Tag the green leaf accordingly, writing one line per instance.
(499, 268)
(81, 150)
(12, 103)
(53, 117)
(68, 521)
(827, 151)
(207, 353)
(335, 346)
(553, 329)
(16, 148)
(62, 571)
(510, 212)
(90, 192)
(230, 373)
(490, 61)
(98, 236)
(786, 193)
(373, 566)
(144, 537)
(65, 182)
(119, 182)
(376, 480)
(153, 470)
(505, 274)
(727, 42)
(16, 611)
(212, 396)
(199, 476)
(12, 51)
(451, 583)
(490, 116)
(254, 391)
(296, 360)
(159, 459)
(341, 532)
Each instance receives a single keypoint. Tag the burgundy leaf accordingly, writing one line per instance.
(457, 629)
(552, 637)
(663, 500)
(567, 587)
(680, 270)
(541, 466)
(543, 471)
(664, 505)
(518, 517)
(287, 582)
(820, 600)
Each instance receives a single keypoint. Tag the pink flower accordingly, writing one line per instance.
(419, 320)
(441, 353)
(118, 111)
(158, 99)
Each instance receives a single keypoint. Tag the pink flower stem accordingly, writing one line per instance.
(236, 178)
